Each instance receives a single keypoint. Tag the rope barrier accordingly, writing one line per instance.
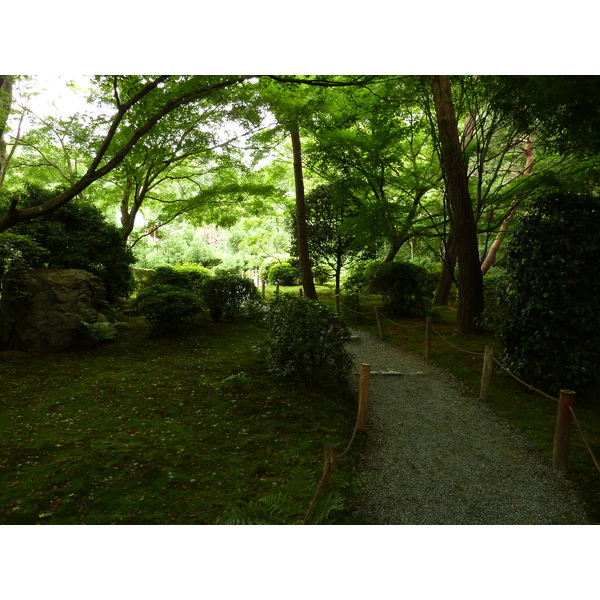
(356, 311)
(595, 461)
(326, 472)
(530, 387)
(453, 346)
(352, 438)
(328, 469)
(399, 324)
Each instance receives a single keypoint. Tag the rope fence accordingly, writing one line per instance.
(330, 454)
(565, 416)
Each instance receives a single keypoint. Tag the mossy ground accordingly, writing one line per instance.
(146, 431)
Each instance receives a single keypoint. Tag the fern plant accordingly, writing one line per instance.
(289, 504)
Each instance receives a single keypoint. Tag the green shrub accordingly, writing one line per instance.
(307, 341)
(405, 288)
(166, 306)
(283, 274)
(550, 334)
(169, 276)
(228, 295)
(495, 292)
(196, 273)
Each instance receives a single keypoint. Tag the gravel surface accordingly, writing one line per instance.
(437, 455)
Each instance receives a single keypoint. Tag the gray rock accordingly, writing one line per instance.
(48, 316)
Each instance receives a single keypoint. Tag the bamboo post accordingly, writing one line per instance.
(562, 433)
(379, 323)
(428, 338)
(486, 372)
(330, 458)
(337, 304)
(363, 397)
(264, 288)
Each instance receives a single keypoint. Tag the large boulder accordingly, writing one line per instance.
(43, 310)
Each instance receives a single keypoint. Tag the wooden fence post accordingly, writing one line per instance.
(428, 338)
(562, 433)
(379, 323)
(486, 372)
(264, 288)
(363, 397)
(301, 292)
(330, 458)
(337, 304)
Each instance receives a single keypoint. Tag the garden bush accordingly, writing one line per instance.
(495, 291)
(283, 274)
(406, 289)
(228, 295)
(169, 276)
(166, 306)
(307, 341)
(196, 273)
(188, 276)
(550, 333)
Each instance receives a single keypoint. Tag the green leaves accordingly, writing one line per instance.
(307, 341)
(553, 271)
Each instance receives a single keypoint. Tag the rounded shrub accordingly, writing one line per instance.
(228, 295)
(166, 306)
(406, 289)
(307, 341)
(283, 274)
(196, 273)
(169, 276)
(356, 280)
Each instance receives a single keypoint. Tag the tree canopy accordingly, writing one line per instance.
(436, 165)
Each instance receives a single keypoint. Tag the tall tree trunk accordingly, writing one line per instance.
(6, 85)
(303, 256)
(462, 220)
(490, 259)
(442, 293)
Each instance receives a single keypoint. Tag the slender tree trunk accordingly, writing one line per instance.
(6, 85)
(399, 240)
(303, 256)
(490, 259)
(470, 280)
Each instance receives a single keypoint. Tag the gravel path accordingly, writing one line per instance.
(438, 456)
